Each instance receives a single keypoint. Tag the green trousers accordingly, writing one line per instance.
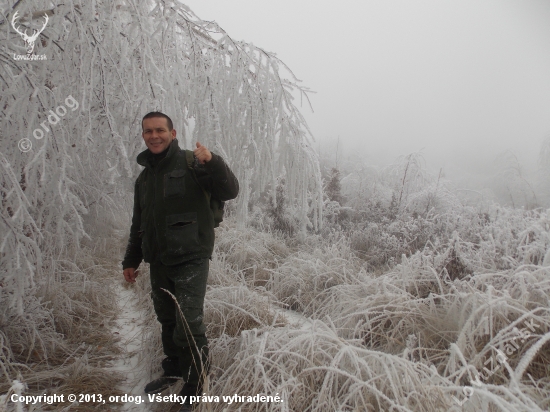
(182, 336)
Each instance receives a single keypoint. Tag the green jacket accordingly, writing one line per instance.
(172, 221)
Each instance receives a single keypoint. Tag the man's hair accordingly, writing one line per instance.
(158, 114)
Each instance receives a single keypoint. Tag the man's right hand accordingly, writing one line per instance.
(130, 274)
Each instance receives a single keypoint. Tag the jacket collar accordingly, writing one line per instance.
(143, 157)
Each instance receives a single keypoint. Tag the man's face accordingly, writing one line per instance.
(156, 135)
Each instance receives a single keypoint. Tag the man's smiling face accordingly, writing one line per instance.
(156, 135)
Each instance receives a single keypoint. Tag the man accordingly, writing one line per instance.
(173, 230)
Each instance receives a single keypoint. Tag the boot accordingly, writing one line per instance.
(194, 364)
(172, 373)
(189, 390)
(186, 408)
(197, 371)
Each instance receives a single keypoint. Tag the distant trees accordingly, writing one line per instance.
(511, 183)
(334, 188)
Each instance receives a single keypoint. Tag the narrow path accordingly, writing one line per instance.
(130, 364)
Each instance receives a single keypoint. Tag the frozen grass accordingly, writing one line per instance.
(63, 340)
(315, 370)
(412, 336)
(464, 314)
(230, 310)
(407, 336)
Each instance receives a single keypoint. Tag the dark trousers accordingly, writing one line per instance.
(183, 329)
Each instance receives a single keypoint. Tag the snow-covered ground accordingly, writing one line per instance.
(129, 326)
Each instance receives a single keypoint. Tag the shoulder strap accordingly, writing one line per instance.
(190, 159)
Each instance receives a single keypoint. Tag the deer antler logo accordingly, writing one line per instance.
(29, 40)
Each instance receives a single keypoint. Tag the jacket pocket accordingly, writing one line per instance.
(182, 233)
(174, 184)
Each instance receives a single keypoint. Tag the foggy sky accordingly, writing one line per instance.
(463, 80)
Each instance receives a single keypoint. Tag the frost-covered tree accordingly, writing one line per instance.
(70, 125)
(334, 188)
(407, 175)
(511, 182)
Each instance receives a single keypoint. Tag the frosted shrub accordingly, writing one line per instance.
(297, 281)
(244, 248)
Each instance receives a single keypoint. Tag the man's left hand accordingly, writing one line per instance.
(202, 153)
